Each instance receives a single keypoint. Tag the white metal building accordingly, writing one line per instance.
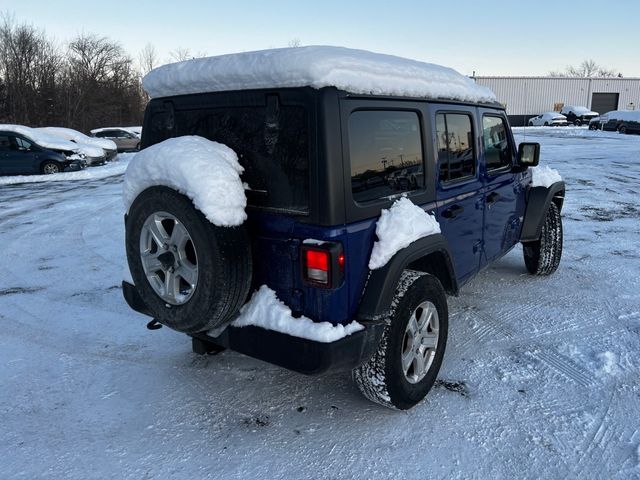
(526, 97)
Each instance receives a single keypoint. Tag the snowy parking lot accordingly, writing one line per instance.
(540, 378)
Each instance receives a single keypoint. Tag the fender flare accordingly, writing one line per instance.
(382, 283)
(538, 201)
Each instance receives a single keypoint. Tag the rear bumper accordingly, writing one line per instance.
(294, 353)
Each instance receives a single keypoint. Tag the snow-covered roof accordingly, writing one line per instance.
(80, 138)
(628, 115)
(577, 110)
(41, 138)
(102, 129)
(355, 71)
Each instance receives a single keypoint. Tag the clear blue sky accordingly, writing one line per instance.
(492, 37)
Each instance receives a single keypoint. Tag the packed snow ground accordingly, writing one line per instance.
(540, 378)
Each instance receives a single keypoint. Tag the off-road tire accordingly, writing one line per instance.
(223, 259)
(381, 379)
(542, 256)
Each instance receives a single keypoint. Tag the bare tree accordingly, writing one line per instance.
(294, 43)
(588, 68)
(180, 54)
(147, 59)
(28, 65)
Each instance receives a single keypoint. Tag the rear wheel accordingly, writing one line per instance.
(577, 123)
(546, 124)
(49, 167)
(406, 364)
(542, 257)
(623, 129)
(192, 275)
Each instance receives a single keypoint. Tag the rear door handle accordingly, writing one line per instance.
(492, 198)
(453, 212)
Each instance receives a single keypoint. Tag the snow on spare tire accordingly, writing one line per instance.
(187, 248)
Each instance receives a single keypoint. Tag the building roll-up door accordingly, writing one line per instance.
(604, 102)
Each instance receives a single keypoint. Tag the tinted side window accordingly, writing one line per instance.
(101, 134)
(385, 149)
(497, 150)
(456, 155)
(5, 143)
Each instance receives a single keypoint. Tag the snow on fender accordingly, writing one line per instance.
(543, 176)
(206, 172)
(397, 228)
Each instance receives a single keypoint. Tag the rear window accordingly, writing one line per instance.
(272, 143)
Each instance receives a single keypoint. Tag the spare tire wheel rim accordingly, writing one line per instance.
(169, 258)
(420, 342)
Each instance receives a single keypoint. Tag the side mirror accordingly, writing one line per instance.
(528, 155)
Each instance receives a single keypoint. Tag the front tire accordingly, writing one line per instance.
(577, 123)
(623, 129)
(410, 352)
(50, 167)
(542, 257)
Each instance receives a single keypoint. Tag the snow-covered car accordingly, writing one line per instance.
(46, 140)
(578, 115)
(20, 154)
(125, 139)
(623, 121)
(110, 149)
(553, 119)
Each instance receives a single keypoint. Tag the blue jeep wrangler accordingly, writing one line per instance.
(322, 164)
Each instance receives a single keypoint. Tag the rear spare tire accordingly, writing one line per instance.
(192, 275)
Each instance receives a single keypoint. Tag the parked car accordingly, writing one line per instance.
(87, 144)
(553, 119)
(623, 121)
(125, 140)
(21, 155)
(578, 115)
(311, 228)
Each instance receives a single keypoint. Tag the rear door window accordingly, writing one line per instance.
(456, 153)
(385, 150)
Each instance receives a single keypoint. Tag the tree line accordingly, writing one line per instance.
(90, 82)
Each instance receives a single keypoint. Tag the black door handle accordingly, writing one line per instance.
(453, 211)
(492, 198)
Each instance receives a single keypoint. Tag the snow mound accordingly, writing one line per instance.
(397, 228)
(544, 176)
(356, 71)
(267, 311)
(207, 172)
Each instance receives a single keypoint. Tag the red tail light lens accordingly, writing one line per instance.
(317, 266)
(323, 264)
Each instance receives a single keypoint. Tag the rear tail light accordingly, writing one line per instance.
(323, 264)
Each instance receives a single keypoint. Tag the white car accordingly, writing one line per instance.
(110, 150)
(546, 119)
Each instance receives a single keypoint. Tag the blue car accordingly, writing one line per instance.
(20, 155)
(324, 163)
